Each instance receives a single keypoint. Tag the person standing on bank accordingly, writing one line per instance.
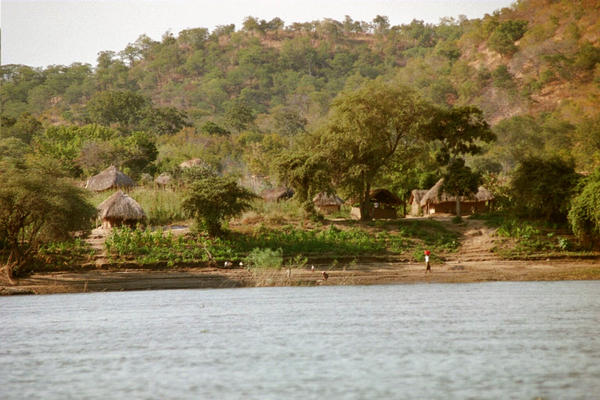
(428, 266)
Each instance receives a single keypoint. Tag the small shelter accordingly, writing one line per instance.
(415, 201)
(384, 204)
(120, 209)
(327, 203)
(163, 179)
(435, 201)
(110, 178)
(277, 194)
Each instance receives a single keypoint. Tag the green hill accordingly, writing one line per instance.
(533, 68)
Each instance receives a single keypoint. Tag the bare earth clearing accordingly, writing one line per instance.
(473, 262)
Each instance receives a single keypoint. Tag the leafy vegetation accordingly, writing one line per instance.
(584, 215)
(38, 205)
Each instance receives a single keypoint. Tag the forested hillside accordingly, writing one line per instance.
(237, 95)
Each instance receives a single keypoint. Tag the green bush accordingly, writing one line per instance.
(265, 258)
(542, 188)
(504, 36)
(584, 215)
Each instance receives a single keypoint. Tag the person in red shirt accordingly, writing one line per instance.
(428, 266)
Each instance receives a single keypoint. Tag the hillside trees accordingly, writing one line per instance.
(365, 129)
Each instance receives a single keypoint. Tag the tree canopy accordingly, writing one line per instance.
(365, 129)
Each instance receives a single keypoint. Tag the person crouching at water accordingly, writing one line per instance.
(427, 265)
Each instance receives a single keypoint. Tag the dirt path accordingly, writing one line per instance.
(477, 241)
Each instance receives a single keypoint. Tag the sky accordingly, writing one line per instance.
(39, 33)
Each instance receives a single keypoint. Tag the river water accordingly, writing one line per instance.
(520, 340)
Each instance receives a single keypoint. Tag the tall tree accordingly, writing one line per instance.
(458, 131)
(366, 127)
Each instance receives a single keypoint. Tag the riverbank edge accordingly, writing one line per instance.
(131, 277)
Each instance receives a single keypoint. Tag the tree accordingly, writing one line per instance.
(211, 199)
(460, 180)
(504, 36)
(542, 188)
(164, 120)
(124, 108)
(238, 116)
(288, 121)
(365, 129)
(458, 131)
(26, 127)
(213, 129)
(305, 171)
(37, 205)
(584, 214)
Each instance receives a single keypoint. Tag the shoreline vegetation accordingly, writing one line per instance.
(352, 253)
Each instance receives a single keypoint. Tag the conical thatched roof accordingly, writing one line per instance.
(327, 199)
(435, 195)
(194, 162)
(163, 179)
(121, 206)
(111, 177)
(384, 196)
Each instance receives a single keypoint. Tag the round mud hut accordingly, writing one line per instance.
(120, 209)
(327, 203)
(110, 178)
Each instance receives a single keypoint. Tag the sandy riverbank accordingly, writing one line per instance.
(367, 274)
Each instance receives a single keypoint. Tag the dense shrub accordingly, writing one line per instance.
(542, 188)
(584, 215)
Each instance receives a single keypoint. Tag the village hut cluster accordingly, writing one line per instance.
(121, 209)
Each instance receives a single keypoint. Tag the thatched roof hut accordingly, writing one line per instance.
(384, 196)
(384, 205)
(163, 179)
(438, 201)
(110, 178)
(120, 209)
(327, 202)
(277, 194)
